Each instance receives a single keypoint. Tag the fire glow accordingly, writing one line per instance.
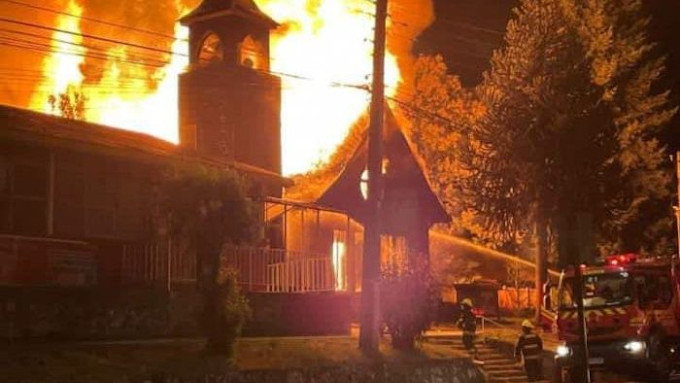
(322, 51)
(62, 70)
(331, 44)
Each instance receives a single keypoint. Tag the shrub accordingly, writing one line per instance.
(408, 301)
(224, 319)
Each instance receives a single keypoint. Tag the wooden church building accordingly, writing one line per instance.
(78, 203)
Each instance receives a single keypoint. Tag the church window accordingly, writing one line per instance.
(211, 50)
(252, 54)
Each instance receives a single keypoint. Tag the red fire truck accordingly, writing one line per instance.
(632, 315)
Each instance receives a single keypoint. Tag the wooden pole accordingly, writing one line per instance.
(677, 208)
(368, 318)
(583, 358)
(541, 265)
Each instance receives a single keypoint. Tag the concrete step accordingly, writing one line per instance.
(504, 365)
(494, 356)
(454, 345)
(506, 374)
(487, 350)
(525, 380)
(497, 368)
(512, 379)
(450, 341)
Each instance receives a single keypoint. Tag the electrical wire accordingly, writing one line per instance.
(90, 19)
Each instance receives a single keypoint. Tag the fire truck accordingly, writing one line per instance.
(632, 316)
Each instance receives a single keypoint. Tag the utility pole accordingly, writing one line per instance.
(370, 302)
(583, 359)
(541, 265)
(677, 208)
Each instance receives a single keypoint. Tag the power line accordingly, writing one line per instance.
(114, 41)
(94, 37)
(470, 26)
(43, 48)
(97, 49)
(108, 23)
(38, 47)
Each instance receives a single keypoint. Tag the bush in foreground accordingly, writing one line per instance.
(408, 301)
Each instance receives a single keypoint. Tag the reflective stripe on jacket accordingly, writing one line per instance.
(468, 322)
(530, 346)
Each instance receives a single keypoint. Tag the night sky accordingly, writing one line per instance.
(466, 32)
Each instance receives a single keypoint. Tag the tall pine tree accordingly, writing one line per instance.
(567, 145)
(565, 149)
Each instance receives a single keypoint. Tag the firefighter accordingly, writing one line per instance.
(468, 323)
(529, 348)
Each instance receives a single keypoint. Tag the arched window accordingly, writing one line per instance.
(211, 50)
(252, 54)
(363, 179)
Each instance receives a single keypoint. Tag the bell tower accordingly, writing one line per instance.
(229, 102)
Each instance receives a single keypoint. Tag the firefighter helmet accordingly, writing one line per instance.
(466, 302)
(527, 324)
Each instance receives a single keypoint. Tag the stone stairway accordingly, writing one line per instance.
(498, 366)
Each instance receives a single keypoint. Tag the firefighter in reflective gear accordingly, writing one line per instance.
(529, 348)
(468, 323)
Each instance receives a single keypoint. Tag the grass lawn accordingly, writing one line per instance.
(115, 361)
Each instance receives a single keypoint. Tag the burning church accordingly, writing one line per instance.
(77, 204)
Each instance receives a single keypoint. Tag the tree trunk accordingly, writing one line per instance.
(208, 252)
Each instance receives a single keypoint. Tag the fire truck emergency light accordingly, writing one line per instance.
(621, 260)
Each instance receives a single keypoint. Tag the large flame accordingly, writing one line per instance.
(155, 111)
(323, 53)
(330, 43)
(62, 68)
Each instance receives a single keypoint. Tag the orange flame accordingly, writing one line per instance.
(151, 111)
(328, 43)
(62, 69)
(331, 44)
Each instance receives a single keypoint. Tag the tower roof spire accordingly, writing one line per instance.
(209, 9)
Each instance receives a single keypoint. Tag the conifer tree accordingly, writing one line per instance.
(566, 145)
(567, 142)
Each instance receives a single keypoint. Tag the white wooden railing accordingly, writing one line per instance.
(251, 264)
(301, 275)
(258, 269)
(148, 263)
(277, 270)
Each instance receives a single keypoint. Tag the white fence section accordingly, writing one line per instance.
(144, 263)
(258, 269)
(148, 263)
(251, 264)
(301, 275)
(278, 271)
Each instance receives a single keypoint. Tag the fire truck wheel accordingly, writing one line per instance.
(658, 355)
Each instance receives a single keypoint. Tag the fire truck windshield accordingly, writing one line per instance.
(599, 290)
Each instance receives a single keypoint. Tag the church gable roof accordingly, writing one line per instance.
(337, 184)
(213, 8)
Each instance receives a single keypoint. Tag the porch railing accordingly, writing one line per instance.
(148, 263)
(251, 264)
(301, 275)
(258, 269)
